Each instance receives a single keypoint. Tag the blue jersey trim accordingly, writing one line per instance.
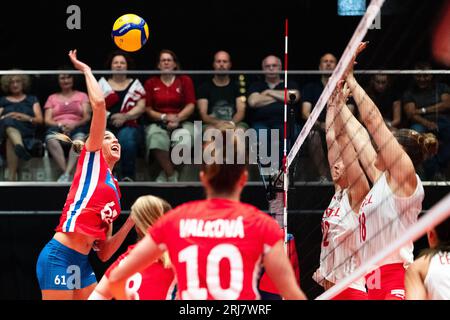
(85, 190)
(110, 182)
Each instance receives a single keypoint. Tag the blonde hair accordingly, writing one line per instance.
(76, 144)
(145, 211)
(7, 78)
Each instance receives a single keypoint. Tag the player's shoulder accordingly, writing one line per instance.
(420, 265)
(251, 208)
(251, 212)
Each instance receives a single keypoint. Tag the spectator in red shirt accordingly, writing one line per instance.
(170, 102)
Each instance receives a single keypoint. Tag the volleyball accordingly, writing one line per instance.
(130, 32)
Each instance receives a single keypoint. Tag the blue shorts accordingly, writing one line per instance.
(61, 268)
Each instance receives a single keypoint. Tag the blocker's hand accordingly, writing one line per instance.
(349, 71)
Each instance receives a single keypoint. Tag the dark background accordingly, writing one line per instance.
(34, 34)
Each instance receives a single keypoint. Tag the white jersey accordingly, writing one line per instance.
(437, 280)
(384, 217)
(337, 256)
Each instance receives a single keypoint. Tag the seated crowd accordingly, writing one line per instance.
(152, 117)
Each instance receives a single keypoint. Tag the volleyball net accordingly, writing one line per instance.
(437, 214)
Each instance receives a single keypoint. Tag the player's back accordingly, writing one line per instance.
(217, 247)
(156, 282)
(384, 216)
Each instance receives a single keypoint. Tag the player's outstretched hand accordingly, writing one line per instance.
(349, 71)
(77, 63)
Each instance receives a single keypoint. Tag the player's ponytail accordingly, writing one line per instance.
(224, 158)
(419, 147)
(429, 144)
(76, 144)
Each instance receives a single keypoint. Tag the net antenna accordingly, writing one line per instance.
(278, 184)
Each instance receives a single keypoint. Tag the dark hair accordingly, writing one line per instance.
(422, 65)
(112, 55)
(443, 235)
(174, 56)
(418, 146)
(326, 53)
(63, 68)
(223, 176)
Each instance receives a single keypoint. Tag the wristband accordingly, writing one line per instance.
(163, 117)
(423, 110)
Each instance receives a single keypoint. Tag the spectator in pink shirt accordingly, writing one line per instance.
(67, 112)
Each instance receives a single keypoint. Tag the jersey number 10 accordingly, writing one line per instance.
(219, 252)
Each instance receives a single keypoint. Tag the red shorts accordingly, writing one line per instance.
(386, 282)
(351, 294)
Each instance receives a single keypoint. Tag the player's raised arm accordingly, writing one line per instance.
(98, 123)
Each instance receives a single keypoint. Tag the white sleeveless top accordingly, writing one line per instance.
(337, 256)
(437, 280)
(384, 217)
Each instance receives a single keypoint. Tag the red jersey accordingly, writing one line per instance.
(169, 99)
(153, 283)
(216, 247)
(265, 284)
(93, 202)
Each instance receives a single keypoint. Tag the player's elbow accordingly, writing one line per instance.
(98, 104)
(103, 256)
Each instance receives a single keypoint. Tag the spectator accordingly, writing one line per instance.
(266, 100)
(170, 103)
(125, 101)
(220, 99)
(68, 112)
(427, 104)
(310, 94)
(20, 113)
(388, 101)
